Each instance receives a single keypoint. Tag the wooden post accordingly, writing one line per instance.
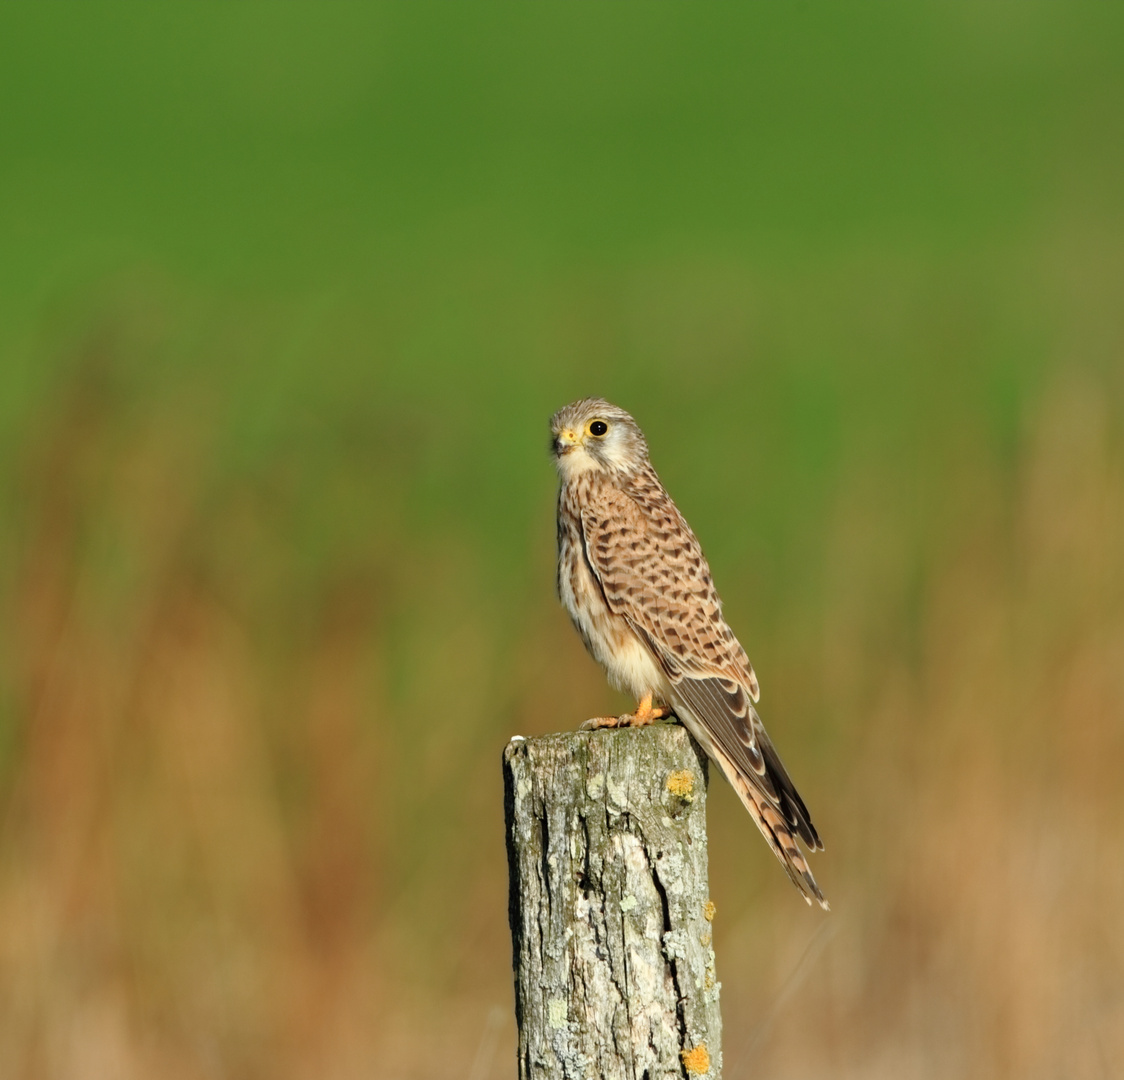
(609, 906)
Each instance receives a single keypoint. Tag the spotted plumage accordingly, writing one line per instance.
(636, 584)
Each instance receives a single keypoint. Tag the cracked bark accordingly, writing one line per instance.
(609, 906)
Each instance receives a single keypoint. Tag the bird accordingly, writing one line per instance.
(635, 582)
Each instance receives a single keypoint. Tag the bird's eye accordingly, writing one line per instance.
(598, 428)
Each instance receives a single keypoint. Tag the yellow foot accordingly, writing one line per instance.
(646, 713)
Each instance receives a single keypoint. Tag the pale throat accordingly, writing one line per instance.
(579, 461)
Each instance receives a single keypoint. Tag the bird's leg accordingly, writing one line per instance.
(646, 713)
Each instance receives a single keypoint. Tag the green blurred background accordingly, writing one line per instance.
(287, 296)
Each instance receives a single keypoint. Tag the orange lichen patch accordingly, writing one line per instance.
(709, 911)
(697, 1060)
(681, 784)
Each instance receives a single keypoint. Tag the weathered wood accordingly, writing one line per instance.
(609, 906)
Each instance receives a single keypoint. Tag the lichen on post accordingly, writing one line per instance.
(609, 906)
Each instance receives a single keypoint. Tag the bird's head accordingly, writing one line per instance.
(591, 434)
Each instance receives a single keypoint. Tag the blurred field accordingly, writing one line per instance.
(285, 303)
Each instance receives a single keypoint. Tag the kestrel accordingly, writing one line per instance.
(635, 582)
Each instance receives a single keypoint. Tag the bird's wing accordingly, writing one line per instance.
(653, 574)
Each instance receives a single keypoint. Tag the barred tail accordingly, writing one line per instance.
(780, 837)
(769, 795)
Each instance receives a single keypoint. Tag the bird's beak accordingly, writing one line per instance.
(565, 441)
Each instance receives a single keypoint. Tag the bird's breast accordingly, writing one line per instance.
(608, 637)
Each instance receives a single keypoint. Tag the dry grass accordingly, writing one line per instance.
(233, 847)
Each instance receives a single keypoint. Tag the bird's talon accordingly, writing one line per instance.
(645, 714)
(595, 723)
(638, 719)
